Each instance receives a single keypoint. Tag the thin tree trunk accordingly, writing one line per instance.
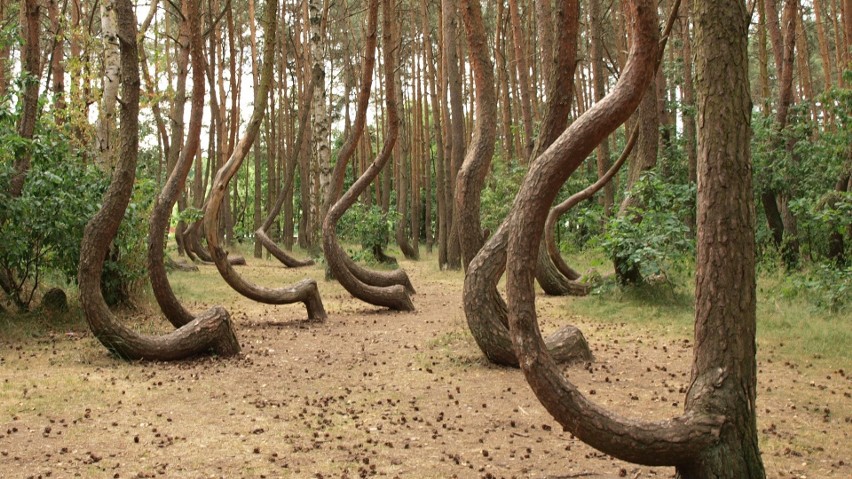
(471, 176)
(523, 70)
(305, 291)
(599, 83)
(449, 12)
(392, 296)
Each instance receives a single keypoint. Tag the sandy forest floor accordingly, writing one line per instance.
(372, 393)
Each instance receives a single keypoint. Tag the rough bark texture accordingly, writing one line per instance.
(30, 14)
(455, 125)
(599, 86)
(522, 69)
(321, 122)
(471, 176)
(393, 296)
(487, 316)
(211, 331)
(560, 96)
(305, 291)
(724, 372)
(665, 442)
(161, 213)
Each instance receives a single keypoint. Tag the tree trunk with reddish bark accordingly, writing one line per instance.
(211, 331)
(305, 291)
(716, 437)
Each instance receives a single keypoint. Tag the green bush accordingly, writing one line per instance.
(367, 226)
(41, 229)
(654, 237)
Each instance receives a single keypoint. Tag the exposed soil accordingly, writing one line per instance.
(371, 393)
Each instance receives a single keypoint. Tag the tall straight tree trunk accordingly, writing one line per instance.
(321, 165)
(725, 304)
(523, 71)
(765, 96)
(5, 50)
(599, 81)
(449, 12)
(30, 15)
(503, 85)
(825, 56)
(57, 60)
(106, 118)
(258, 247)
(688, 115)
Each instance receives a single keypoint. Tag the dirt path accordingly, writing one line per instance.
(368, 393)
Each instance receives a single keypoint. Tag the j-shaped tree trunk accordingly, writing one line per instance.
(560, 97)
(716, 436)
(210, 331)
(285, 193)
(342, 267)
(552, 249)
(161, 213)
(483, 305)
(562, 278)
(305, 291)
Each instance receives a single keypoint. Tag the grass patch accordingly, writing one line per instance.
(787, 317)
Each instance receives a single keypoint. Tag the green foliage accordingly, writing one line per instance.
(804, 162)
(368, 226)
(653, 237)
(41, 230)
(825, 286)
(125, 270)
(500, 189)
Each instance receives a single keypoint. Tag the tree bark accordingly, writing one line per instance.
(321, 124)
(161, 213)
(106, 118)
(725, 304)
(30, 14)
(523, 78)
(449, 12)
(211, 331)
(342, 267)
(599, 84)
(471, 175)
(305, 291)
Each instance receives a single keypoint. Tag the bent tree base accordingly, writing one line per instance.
(212, 331)
(487, 316)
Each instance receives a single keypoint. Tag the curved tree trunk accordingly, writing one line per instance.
(716, 436)
(211, 331)
(285, 193)
(394, 296)
(471, 175)
(305, 291)
(161, 213)
(552, 249)
(484, 308)
(487, 316)
(560, 96)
